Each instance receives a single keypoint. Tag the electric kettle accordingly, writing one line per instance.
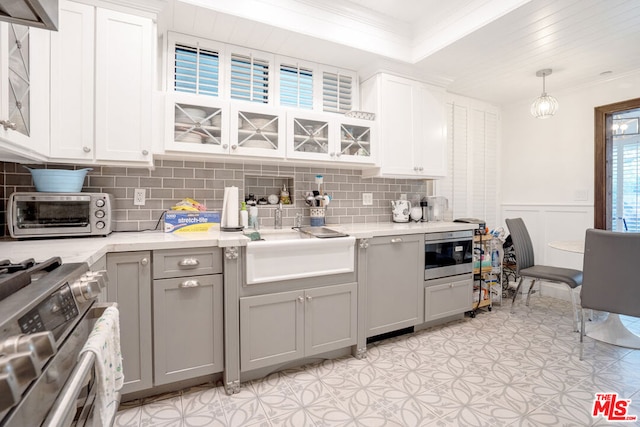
(401, 210)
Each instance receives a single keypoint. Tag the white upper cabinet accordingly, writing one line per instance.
(24, 90)
(196, 124)
(257, 131)
(412, 127)
(329, 137)
(102, 113)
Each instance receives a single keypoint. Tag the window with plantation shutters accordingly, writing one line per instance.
(296, 86)
(249, 78)
(337, 90)
(196, 70)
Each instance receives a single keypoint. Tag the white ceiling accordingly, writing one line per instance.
(486, 49)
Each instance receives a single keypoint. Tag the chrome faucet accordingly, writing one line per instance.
(298, 221)
(278, 217)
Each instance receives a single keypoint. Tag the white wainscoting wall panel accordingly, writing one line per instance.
(548, 223)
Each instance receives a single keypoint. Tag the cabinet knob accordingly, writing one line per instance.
(225, 146)
(338, 154)
(396, 240)
(144, 261)
(421, 168)
(145, 152)
(7, 124)
(300, 299)
(309, 298)
(234, 146)
(86, 149)
(189, 284)
(332, 154)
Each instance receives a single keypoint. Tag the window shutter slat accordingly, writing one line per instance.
(296, 86)
(249, 78)
(336, 92)
(196, 70)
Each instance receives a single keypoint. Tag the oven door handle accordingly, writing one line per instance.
(64, 407)
(457, 241)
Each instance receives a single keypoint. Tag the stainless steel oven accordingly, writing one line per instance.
(47, 311)
(448, 254)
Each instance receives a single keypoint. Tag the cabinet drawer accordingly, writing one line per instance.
(186, 262)
(447, 299)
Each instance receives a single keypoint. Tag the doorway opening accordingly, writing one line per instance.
(617, 166)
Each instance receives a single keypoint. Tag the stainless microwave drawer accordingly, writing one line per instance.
(169, 263)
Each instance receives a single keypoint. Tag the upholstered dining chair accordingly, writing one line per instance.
(527, 268)
(611, 282)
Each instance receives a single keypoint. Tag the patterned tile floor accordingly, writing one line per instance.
(495, 370)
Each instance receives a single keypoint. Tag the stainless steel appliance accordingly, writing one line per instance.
(33, 215)
(448, 254)
(46, 314)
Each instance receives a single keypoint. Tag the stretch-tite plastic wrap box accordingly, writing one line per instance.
(190, 221)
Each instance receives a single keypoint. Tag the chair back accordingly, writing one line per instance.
(521, 243)
(611, 280)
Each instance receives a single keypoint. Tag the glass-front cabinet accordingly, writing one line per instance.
(197, 125)
(256, 131)
(329, 137)
(356, 140)
(309, 138)
(24, 87)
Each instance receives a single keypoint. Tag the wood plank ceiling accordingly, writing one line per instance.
(486, 49)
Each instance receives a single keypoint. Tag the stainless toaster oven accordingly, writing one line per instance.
(31, 215)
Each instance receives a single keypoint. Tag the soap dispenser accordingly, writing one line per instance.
(244, 215)
(284, 195)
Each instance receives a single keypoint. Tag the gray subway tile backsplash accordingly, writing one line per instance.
(173, 180)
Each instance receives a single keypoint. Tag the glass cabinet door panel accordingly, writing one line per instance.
(310, 136)
(257, 130)
(197, 124)
(355, 140)
(19, 83)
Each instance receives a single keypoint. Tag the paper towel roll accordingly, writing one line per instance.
(230, 207)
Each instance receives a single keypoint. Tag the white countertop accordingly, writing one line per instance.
(91, 249)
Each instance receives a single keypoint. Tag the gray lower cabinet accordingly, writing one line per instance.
(284, 326)
(447, 297)
(187, 314)
(130, 286)
(394, 283)
(187, 327)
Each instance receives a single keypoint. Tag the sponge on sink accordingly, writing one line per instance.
(254, 236)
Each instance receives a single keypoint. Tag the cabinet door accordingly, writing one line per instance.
(430, 154)
(130, 286)
(124, 82)
(256, 131)
(395, 278)
(330, 318)
(187, 327)
(72, 73)
(396, 105)
(355, 141)
(447, 299)
(24, 89)
(196, 124)
(308, 136)
(271, 329)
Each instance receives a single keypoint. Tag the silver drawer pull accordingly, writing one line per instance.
(190, 284)
(189, 262)
(396, 240)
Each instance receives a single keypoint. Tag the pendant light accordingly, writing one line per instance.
(545, 105)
